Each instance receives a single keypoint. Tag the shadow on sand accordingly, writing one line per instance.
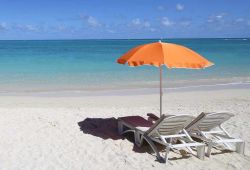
(107, 128)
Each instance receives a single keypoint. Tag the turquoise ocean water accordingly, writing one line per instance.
(79, 65)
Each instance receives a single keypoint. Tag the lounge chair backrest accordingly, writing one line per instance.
(169, 125)
(209, 121)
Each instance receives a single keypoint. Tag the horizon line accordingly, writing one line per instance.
(122, 38)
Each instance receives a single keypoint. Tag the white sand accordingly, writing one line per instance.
(43, 132)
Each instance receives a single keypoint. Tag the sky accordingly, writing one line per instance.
(123, 19)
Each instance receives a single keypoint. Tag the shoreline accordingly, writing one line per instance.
(129, 91)
(129, 101)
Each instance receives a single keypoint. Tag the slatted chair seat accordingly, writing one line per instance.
(164, 131)
(204, 127)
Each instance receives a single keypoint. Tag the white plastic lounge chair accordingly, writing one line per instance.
(207, 127)
(166, 131)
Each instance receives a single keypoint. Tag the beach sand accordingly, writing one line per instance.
(80, 132)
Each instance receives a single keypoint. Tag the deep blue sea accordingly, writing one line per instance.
(65, 65)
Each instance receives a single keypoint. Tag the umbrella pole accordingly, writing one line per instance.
(160, 90)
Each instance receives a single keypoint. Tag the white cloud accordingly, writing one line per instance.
(93, 22)
(3, 26)
(136, 21)
(61, 28)
(166, 22)
(139, 24)
(27, 27)
(239, 20)
(179, 7)
(160, 8)
(185, 23)
(152, 29)
(216, 18)
(90, 20)
(219, 16)
(217, 22)
(147, 24)
(110, 31)
(210, 20)
(31, 28)
(221, 22)
(64, 28)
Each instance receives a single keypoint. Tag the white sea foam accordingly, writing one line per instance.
(235, 39)
(130, 91)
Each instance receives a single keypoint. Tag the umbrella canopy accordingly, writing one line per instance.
(168, 54)
(171, 55)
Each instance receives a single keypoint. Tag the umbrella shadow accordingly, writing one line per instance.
(107, 128)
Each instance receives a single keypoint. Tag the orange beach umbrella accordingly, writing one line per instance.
(168, 54)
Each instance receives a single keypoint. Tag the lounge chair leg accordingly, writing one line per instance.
(225, 144)
(137, 139)
(209, 148)
(189, 148)
(120, 127)
(201, 152)
(240, 147)
(166, 155)
(152, 145)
